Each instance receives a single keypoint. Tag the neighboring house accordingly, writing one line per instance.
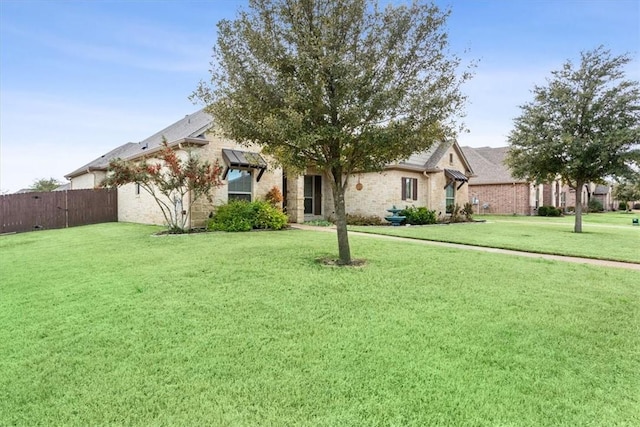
(63, 187)
(494, 190)
(435, 178)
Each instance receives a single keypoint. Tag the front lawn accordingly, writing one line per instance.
(110, 325)
(609, 236)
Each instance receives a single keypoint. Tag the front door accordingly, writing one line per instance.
(313, 195)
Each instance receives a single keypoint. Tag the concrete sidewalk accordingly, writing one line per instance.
(579, 260)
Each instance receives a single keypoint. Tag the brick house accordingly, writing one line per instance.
(435, 178)
(494, 190)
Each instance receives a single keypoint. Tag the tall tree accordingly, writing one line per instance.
(44, 184)
(338, 85)
(583, 126)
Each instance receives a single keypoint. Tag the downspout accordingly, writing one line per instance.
(515, 200)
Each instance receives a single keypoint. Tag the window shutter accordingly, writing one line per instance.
(404, 188)
(415, 188)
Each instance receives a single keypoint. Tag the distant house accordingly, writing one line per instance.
(494, 190)
(435, 178)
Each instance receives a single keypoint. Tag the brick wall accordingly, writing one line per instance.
(503, 198)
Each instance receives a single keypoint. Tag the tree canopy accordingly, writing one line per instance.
(627, 191)
(583, 126)
(44, 184)
(342, 86)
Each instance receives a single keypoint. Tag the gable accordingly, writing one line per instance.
(436, 159)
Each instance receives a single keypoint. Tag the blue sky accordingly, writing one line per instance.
(79, 78)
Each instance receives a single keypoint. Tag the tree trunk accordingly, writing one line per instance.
(577, 228)
(338, 190)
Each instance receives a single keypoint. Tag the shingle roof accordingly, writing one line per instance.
(102, 162)
(428, 160)
(488, 165)
(191, 126)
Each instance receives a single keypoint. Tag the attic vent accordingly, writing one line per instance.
(145, 146)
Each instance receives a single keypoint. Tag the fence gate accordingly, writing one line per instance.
(57, 209)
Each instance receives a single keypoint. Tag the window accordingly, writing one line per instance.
(450, 197)
(450, 158)
(239, 185)
(409, 189)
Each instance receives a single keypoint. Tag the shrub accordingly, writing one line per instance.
(274, 196)
(456, 214)
(239, 215)
(595, 205)
(355, 219)
(549, 211)
(467, 211)
(418, 216)
(268, 216)
(622, 206)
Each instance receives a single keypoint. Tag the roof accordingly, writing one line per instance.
(102, 162)
(244, 160)
(488, 165)
(190, 129)
(601, 189)
(427, 161)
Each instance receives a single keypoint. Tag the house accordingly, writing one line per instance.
(435, 178)
(494, 190)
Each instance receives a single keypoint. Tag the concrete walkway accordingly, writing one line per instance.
(590, 261)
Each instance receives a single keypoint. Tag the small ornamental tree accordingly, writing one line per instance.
(174, 183)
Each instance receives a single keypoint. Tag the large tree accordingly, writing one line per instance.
(338, 85)
(583, 126)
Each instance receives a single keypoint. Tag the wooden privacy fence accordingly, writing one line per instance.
(57, 209)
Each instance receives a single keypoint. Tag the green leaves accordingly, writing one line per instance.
(335, 81)
(583, 126)
(338, 85)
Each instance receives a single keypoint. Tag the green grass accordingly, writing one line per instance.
(605, 236)
(608, 218)
(109, 325)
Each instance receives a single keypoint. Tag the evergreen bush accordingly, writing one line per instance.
(240, 215)
(418, 216)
